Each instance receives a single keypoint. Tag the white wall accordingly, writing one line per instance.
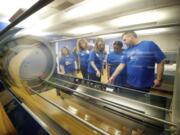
(167, 42)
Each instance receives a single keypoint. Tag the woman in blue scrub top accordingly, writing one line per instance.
(83, 56)
(67, 62)
(113, 60)
(96, 59)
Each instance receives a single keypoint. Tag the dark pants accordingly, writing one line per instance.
(94, 77)
(84, 72)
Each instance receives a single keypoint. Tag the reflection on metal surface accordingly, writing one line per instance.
(96, 96)
(72, 115)
(124, 99)
(72, 110)
(86, 117)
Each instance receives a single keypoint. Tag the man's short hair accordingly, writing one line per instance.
(130, 32)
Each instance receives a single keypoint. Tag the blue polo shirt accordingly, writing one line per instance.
(113, 60)
(98, 59)
(140, 60)
(69, 63)
(83, 57)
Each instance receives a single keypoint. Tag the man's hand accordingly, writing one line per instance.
(160, 70)
(157, 83)
(111, 79)
(116, 72)
(98, 74)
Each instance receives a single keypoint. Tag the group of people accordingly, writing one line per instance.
(89, 63)
(133, 67)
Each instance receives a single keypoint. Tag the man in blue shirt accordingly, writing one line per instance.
(140, 59)
(113, 60)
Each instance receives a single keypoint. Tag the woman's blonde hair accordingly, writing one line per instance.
(79, 42)
(96, 44)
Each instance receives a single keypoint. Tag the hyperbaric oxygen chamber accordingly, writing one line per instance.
(27, 60)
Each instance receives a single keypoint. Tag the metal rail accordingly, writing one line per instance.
(107, 100)
(111, 85)
(72, 115)
(109, 103)
(142, 103)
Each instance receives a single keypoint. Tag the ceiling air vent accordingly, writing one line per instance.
(64, 5)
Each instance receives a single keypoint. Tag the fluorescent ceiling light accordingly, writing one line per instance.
(151, 31)
(35, 22)
(90, 7)
(33, 32)
(139, 18)
(9, 7)
(84, 29)
(110, 35)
